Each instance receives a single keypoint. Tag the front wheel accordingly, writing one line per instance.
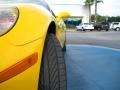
(83, 29)
(107, 29)
(99, 29)
(53, 72)
(64, 47)
(117, 29)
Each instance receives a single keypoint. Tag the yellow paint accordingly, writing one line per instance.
(26, 37)
(63, 15)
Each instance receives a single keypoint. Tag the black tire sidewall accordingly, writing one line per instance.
(52, 57)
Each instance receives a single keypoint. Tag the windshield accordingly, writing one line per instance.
(115, 23)
(88, 23)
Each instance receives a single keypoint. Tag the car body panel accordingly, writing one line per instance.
(102, 26)
(32, 30)
(25, 38)
(85, 26)
(115, 25)
(61, 29)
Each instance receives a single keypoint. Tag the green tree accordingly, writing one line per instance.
(114, 19)
(99, 18)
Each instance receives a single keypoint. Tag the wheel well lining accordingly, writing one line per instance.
(52, 28)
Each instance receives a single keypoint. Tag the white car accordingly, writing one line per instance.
(85, 26)
(115, 26)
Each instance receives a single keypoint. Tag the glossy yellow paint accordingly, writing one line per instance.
(29, 78)
(63, 15)
(60, 34)
(26, 37)
(61, 28)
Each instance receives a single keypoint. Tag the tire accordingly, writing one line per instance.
(107, 29)
(117, 29)
(99, 29)
(83, 29)
(64, 47)
(53, 72)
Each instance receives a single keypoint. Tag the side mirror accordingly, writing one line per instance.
(63, 15)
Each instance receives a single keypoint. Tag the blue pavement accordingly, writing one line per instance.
(92, 68)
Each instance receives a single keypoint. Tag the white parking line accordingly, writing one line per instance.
(94, 46)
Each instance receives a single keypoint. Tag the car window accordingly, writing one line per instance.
(86, 23)
(91, 24)
(115, 23)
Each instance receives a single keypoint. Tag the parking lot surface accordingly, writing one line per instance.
(99, 38)
(92, 68)
(93, 60)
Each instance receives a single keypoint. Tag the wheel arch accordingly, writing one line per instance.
(51, 28)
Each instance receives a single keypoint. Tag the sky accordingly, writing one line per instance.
(107, 8)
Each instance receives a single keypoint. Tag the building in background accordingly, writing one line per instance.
(75, 7)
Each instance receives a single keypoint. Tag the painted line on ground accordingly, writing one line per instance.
(94, 46)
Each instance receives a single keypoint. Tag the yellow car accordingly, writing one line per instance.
(31, 43)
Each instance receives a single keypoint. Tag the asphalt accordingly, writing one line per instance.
(92, 67)
(99, 38)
